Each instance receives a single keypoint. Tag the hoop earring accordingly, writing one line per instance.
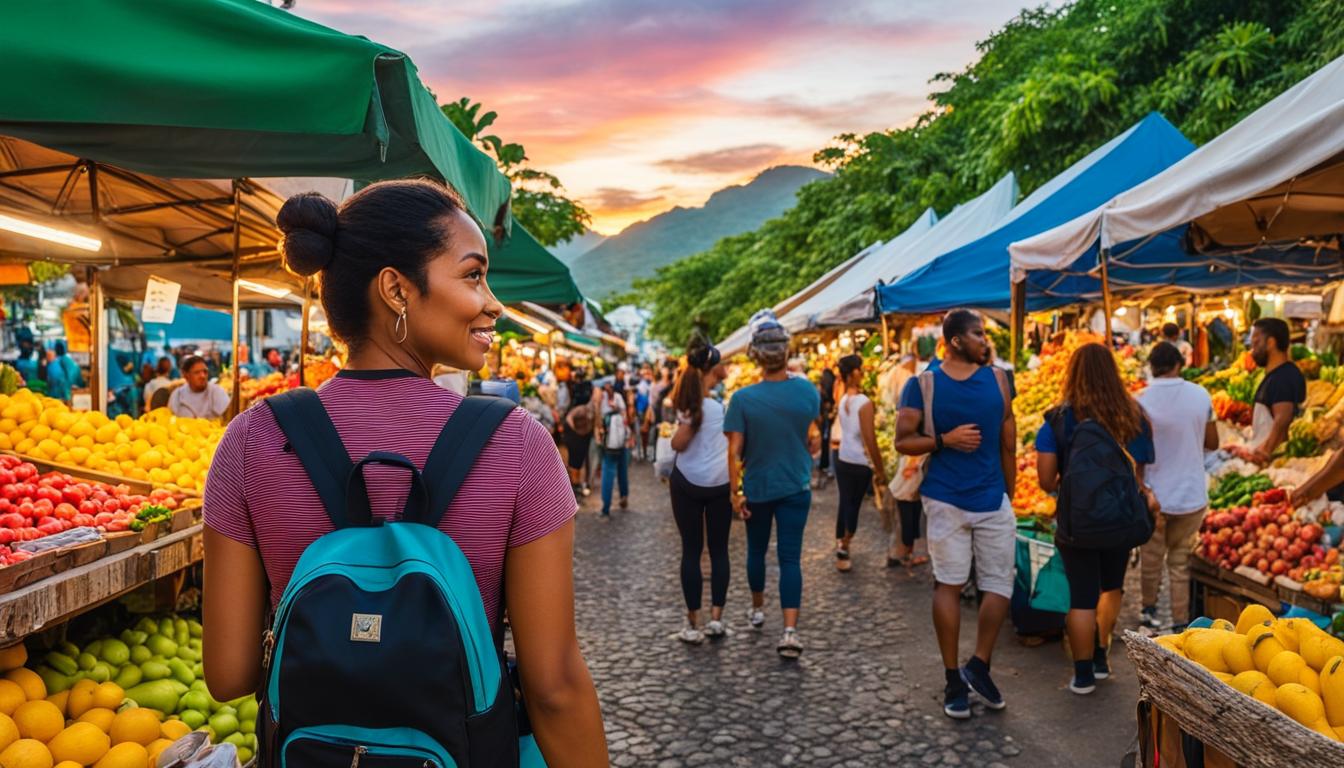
(402, 326)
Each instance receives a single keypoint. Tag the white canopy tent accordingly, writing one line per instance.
(852, 300)
(1275, 177)
(737, 341)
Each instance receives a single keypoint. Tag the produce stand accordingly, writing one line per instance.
(1244, 732)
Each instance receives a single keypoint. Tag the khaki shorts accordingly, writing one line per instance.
(957, 537)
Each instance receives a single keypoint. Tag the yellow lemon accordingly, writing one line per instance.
(174, 729)
(26, 753)
(60, 700)
(68, 764)
(9, 732)
(82, 428)
(124, 421)
(28, 680)
(100, 717)
(79, 455)
(81, 743)
(25, 445)
(11, 696)
(135, 725)
(108, 696)
(8, 425)
(126, 755)
(107, 432)
(81, 698)
(39, 720)
(39, 432)
(13, 657)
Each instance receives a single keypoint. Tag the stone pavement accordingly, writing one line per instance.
(867, 690)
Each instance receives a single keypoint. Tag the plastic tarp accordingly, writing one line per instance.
(1275, 177)
(228, 89)
(976, 274)
(968, 221)
(800, 317)
(737, 341)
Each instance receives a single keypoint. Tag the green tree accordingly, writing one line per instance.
(539, 202)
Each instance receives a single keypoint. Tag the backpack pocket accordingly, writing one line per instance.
(341, 746)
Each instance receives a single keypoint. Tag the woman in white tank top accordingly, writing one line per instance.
(858, 459)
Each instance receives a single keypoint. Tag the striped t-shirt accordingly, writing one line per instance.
(258, 494)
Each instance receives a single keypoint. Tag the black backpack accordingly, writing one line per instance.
(1099, 504)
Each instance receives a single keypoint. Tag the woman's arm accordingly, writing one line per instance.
(1047, 471)
(561, 700)
(682, 437)
(869, 432)
(1211, 436)
(1008, 452)
(234, 606)
(735, 443)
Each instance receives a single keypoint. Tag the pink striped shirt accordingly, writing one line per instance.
(259, 495)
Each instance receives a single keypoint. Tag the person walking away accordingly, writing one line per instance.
(970, 437)
(62, 374)
(1181, 414)
(199, 398)
(1171, 334)
(699, 486)
(643, 389)
(402, 268)
(826, 387)
(858, 461)
(772, 434)
(1094, 394)
(615, 436)
(904, 488)
(578, 434)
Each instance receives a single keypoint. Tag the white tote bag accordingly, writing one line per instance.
(664, 458)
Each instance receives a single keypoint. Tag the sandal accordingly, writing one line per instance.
(916, 561)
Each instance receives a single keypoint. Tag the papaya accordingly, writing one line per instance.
(1251, 615)
(1246, 681)
(1295, 701)
(1332, 690)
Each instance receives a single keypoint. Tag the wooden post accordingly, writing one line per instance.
(886, 338)
(97, 344)
(1018, 320)
(236, 395)
(1106, 293)
(303, 328)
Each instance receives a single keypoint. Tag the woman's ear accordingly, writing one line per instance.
(393, 289)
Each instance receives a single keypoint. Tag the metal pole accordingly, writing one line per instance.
(303, 330)
(235, 396)
(97, 324)
(1106, 293)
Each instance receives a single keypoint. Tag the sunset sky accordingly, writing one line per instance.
(642, 105)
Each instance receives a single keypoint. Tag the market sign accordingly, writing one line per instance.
(160, 305)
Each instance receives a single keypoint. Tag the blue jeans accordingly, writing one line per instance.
(612, 465)
(791, 512)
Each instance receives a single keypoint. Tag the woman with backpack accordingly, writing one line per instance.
(1095, 398)
(402, 268)
(616, 437)
(858, 458)
(701, 504)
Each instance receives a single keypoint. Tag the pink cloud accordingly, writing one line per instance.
(729, 160)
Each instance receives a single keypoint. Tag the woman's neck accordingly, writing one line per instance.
(378, 355)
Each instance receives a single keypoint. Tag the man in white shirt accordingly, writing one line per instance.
(199, 398)
(1171, 333)
(1181, 414)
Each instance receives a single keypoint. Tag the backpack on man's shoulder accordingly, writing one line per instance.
(617, 431)
(380, 650)
(1099, 505)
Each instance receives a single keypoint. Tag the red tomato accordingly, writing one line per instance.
(103, 518)
(30, 534)
(66, 511)
(6, 535)
(10, 492)
(26, 509)
(118, 525)
(99, 496)
(13, 520)
(90, 507)
(82, 520)
(25, 471)
(56, 481)
(43, 507)
(9, 461)
(7, 476)
(50, 528)
(111, 505)
(72, 495)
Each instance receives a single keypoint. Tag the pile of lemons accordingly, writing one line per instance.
(158, 447)
(87, 725)
(1289, 664)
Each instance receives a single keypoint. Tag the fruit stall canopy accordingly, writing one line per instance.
(1266, 195)
(229, 89)
(976, 274)
(521, 269)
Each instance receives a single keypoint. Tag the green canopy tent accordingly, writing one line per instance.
(521, 269)
(228, 89)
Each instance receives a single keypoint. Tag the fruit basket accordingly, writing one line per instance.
(1241, 727)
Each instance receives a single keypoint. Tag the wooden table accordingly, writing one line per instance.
(70, 593)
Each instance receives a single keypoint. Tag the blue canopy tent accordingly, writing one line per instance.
(192, 324)
(977, 274)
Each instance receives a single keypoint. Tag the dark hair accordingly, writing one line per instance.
(1275, 329)
(958, 322)
(849, 364)
(59, 346)
(190, 362)
(688, 394)
(1171, 330)
(703, 356)
(397, 224)
(1165, 358)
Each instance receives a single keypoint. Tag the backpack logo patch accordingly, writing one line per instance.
(366, 628)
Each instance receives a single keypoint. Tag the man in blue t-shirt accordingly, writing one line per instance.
(971, 466)
(772, 434)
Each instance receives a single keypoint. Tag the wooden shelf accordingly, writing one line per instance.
(65, 595)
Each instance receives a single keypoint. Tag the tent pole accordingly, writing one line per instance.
(234, 404)
(1018, 305)
(97, 344)
(886, 338)
(1106, 293)
(303, 330)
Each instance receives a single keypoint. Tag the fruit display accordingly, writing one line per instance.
(10, 379)
(1233, 411)
(33, 506)
(156, 668)
(158, 447)
(742, 372)
(316, 370)
(1028, 498)
(1234, 490)
(1289, 665)
(1040, 389)
(1262, 535)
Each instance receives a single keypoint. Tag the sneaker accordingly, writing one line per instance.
(715, 629)
(790, 647)
(586, 490)
(1149, 618)
(977, 677)
(1101, 665)
(1082, 687)
(755, 617)
(604, 516)
(691, 636)
(957, 701)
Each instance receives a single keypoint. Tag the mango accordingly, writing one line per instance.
(1286, 633)
(1317, 647)
(1311, 680)
(1332, 691)
(140, 654)
(129, 676)
(162, 695)
(81, 699)
(1263, 650)
(147, 626)
(223, 724)
(166, 628)
(1237, 654)
(1300, 704)
(13, 657)
(193, 718)
(197, 700)
(181, 672)
(1206, 649)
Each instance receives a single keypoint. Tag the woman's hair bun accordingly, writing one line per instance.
(308, 222)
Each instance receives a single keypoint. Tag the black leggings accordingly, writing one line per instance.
(1091, 572)
(910, 511)
(851, 481)
(698, 510)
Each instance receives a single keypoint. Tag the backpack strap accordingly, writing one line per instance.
(1001, 376)
(315, 441)
(455, 452)
(926, 394)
